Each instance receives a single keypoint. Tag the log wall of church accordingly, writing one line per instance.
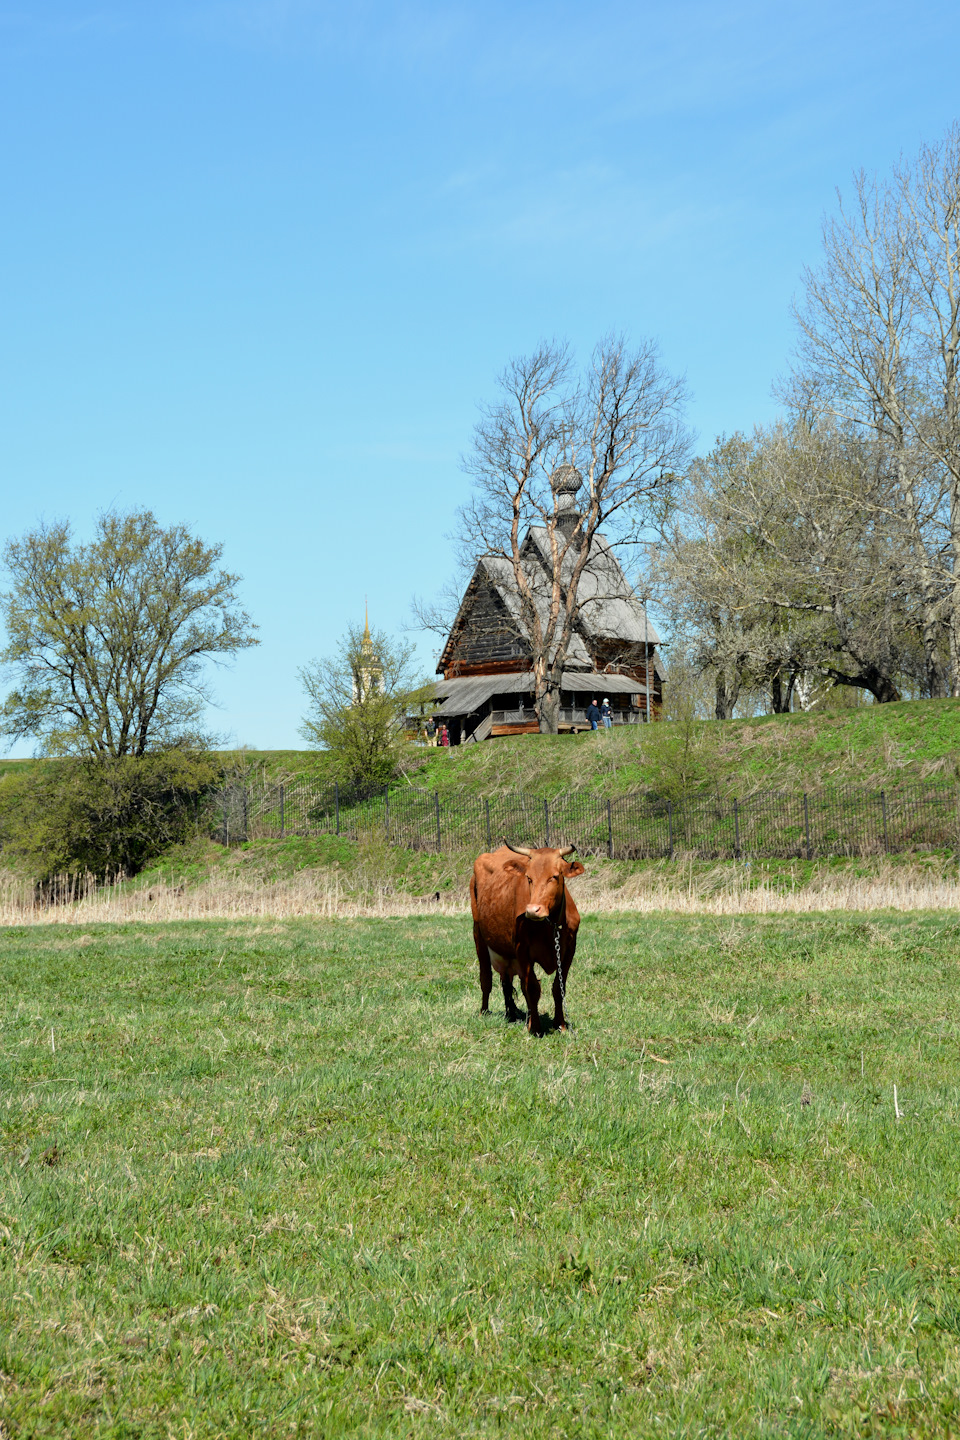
(488, 636)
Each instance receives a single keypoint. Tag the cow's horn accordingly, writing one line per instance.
(518, 849)
(567, 849)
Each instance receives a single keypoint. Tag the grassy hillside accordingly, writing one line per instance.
(870, 745)
(282, 1179)
(873, 745)
(238, 763)
(13, 767)
(273, 764)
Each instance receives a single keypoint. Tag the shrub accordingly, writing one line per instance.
(105, 817)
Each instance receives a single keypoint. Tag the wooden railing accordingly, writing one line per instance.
(512, 717)
(569, 715)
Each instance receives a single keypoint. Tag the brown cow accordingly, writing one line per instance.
(521, 910)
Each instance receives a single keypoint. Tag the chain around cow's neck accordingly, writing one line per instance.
(563, 993)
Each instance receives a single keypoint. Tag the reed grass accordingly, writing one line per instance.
(682, 887)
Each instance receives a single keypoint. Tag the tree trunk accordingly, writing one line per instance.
(955, 597)
(788, 697)
(938, 685)
(805, 690)
(781, 697)
(880, 686)
(935, 673)
(549, 709)
(883, 690)
(728, 691)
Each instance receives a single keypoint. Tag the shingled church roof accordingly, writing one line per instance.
(608, 609)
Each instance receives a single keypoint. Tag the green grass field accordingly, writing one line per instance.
(270, 1179)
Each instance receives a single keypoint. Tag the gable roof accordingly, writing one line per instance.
(608, 608)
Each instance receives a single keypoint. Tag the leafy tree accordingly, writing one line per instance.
(358, 701)
(784, 556)
(107, 641)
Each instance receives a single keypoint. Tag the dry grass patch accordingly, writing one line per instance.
(683, 886)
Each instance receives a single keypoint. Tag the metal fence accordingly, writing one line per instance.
(637, 826)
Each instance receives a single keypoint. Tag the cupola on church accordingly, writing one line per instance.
(487, 684)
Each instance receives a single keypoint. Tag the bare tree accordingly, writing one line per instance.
(880, 347)
(617, 427)
(685, 575)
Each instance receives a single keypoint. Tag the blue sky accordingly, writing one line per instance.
(260, 262)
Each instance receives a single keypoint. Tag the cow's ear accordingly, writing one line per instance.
(520, 866)
(573, 869)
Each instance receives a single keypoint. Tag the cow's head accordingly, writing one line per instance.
(545, 872)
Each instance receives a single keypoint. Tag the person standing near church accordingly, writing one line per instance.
(593, 714)
(606, 714)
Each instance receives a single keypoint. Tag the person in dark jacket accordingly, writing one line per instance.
(606, 714)
(593, 714)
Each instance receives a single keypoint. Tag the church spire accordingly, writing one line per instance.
(367, 667)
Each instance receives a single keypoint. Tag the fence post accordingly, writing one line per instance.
(282, 824)
(226, 827)
(486, 806)
(806, 825)
(883, 807)
(386, 812)
(609, 831)
(736, 831)
(546, 822)
(336, 801)
(436, 801)
(670, 825)
(246, 797)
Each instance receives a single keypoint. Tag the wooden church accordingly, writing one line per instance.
(486, 665)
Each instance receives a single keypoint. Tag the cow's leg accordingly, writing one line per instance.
(511, 1009)
(531, 991)
(486, 970)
